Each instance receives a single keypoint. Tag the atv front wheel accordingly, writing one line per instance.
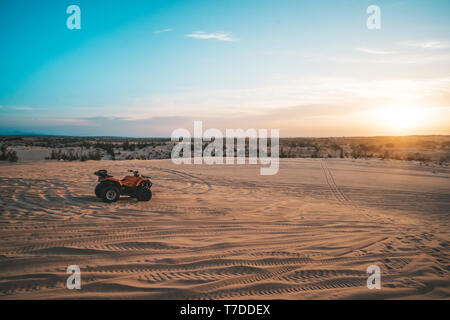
(110, 194)
(98, 191)
(144, 194)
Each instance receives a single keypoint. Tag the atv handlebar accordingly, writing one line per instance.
(136, 174)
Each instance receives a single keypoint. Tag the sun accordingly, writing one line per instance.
(400, 118)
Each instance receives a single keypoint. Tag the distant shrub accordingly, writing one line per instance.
(94, 155)
(3, 149)
(128, 146)
(73, 156)
(108, 147)
(8, 155)
(12, 156)
(428, 144)
(85, 145)
(417, 157)
(360, 151)
(445, 145)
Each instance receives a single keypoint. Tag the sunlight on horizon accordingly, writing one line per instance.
(402, 118)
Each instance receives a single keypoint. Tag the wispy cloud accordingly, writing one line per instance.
(374, 51)
(18, 108)
(428, 44)
(162, 30)
(220, 36)
(397, 59)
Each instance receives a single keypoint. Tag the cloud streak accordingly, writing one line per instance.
(374, 51)
(428, 44)
(17, 108)
(220, 36)
(162, 30)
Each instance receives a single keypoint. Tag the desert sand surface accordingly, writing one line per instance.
(226, 232)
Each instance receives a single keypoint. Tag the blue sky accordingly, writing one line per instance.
(145, 68)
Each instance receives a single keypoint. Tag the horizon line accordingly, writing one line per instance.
(168, 137)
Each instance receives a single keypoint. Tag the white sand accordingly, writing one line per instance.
(224, 232)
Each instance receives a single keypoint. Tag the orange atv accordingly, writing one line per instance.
(110, 189)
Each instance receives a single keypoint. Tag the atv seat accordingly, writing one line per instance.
(103, 173)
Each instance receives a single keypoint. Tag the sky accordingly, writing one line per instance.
(145, 68)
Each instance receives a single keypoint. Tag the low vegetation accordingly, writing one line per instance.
(73, 156)
(8, 154)
(410, 148)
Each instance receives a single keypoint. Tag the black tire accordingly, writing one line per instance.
(110, 194)
(98, 191)
(144, 194)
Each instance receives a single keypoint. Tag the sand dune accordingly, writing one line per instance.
(225, 232)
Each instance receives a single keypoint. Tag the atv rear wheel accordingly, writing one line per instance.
(110, 194)
(144, 194)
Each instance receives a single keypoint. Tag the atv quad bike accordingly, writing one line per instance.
(109, 189)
